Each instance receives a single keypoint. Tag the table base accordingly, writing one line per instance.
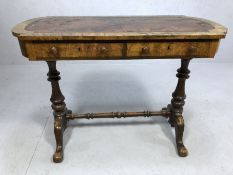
(173, 112)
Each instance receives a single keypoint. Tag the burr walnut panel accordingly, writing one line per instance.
(173, 49)
(128, 50)
(64, 51)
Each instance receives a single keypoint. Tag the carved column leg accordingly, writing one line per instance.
(176, 106)
(59, 110)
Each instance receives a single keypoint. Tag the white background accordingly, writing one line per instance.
(15, 11)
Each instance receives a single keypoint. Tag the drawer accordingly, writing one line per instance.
(172, 49)
(131, 50)
(40, 51)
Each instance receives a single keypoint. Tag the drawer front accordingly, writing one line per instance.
(172, 49)
(131, 50)
(40, 51)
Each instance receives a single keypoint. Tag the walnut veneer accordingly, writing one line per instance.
(53, 39)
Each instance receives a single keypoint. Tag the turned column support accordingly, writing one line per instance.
(176, 107)
(173, 112)
(59, 110)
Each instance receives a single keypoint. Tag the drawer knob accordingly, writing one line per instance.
(103, 49)
(54, 50)
(145, 50)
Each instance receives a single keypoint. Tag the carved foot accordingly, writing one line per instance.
(58, 131)
(182, 150)
(58, 155)
(179, 128)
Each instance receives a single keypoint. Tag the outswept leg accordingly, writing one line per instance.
(59, 110)
(176, 107)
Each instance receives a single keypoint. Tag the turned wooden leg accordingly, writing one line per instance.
(59, 110)
(176, 107)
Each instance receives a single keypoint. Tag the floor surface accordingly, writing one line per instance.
(136, 146)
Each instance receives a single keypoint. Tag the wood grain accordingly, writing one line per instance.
(118, 24)
(75, 38)
(122, 37)
(129, 50)
(66, 51)
(174, 49)
(118, 28)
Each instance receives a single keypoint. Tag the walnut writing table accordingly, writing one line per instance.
(52, 39)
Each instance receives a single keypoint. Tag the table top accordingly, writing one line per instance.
(118, 28)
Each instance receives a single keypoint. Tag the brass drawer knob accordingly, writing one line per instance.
(54, 50)
(103, 49)
(145, 50)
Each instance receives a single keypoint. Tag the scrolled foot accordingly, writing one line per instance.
(58, 131)
(182, 150)
(58, 156)
(179, 127)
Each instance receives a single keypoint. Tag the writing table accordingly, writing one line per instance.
(52, 39)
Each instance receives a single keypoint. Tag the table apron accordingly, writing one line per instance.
(67, 50)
